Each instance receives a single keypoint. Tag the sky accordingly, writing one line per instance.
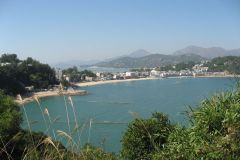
(53, 31)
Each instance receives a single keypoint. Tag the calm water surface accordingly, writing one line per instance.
(109, 106)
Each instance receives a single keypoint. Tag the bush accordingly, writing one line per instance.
(10, 118)
(145, 136)
(214, 133)
(90, 152)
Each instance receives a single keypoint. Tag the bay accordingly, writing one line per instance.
(103, 114)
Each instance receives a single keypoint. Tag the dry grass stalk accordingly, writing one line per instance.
(48, 140)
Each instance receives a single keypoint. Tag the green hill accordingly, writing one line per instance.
(149, 61)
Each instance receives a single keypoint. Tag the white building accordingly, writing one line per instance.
(200, 68)
(89, 78)
(131, 74)
(154, 73)
(58, 73)
(67, 78)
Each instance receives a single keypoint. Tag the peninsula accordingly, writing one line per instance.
(38, 95)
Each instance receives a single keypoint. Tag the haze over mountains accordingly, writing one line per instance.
(71, 63)
(139, 53)
(150, 61)
(208, 52)
(142, 58)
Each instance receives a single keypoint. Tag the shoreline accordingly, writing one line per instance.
(94, 83)
(42, 94)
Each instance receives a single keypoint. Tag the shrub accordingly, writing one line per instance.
(145, 136)
(214, 133)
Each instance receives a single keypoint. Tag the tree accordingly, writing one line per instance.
(9, 58)
(230, 64)
(184, 66)
(77, 76)
(9, 81)
(16, 75)
(145, 136)
(10, 118)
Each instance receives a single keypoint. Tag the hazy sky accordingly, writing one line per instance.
(59, 30)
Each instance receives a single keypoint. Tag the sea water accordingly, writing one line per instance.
(103, 115)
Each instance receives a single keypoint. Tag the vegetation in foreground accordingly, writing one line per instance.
(16, 143)
(214, 133)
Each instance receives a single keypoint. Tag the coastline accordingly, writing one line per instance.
(85, 84)
(27, 99)
(42, 94)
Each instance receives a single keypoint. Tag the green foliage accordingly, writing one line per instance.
(88, 73)
(165, 68)
(18, 74)
(214, 134)
(230, 64)
(32, 146)
(140, 70)
(10, 118)
(24, 144)
(65, 83)
(37, 74)
(9, 58)
(150, 61)
(178, 146)
(145, 136)
(184, 66)
(178, 67)
(76, 76)
(90, 152)
(9, 80)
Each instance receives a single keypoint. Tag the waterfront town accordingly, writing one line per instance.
(40, 80)
(197, 70)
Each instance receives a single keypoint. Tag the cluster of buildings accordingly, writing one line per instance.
(120, 75)
(197, 70)
(165, 74)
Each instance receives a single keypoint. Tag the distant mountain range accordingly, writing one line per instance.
(142, 58)
(139, 53)
(208, 52)
(151, 60)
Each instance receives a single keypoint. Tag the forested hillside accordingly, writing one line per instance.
(16, 74)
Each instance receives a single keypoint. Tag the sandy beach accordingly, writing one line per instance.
(26, 99)
(30, 98)
(84, 84)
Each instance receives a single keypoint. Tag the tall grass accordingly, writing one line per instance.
(53, 149)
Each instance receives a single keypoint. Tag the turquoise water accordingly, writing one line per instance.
(110, 106)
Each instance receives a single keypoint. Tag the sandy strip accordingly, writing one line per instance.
(43, 94)
(84, 84)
